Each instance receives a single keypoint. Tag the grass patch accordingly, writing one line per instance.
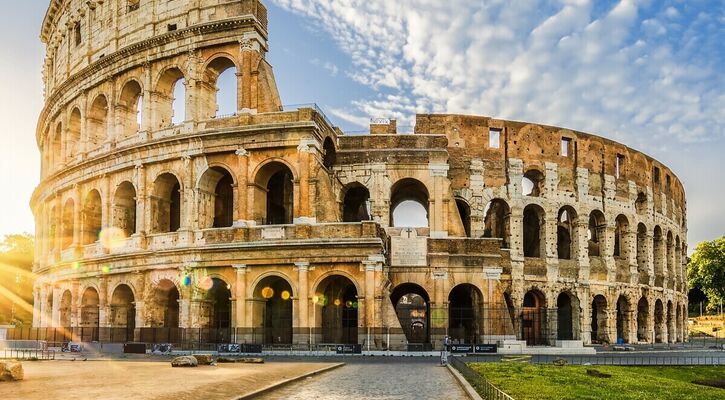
(541, 382)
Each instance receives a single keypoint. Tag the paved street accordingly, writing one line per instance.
(385, 379)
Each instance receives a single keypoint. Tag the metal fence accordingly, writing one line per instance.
(26, 354)
(483, 386)
(635, 359)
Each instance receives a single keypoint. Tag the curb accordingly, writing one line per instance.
(470, 391)
(286, 382)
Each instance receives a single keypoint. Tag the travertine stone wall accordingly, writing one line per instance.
(135, 214)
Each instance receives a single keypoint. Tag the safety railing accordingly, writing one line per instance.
(26, 354)
(483, 386)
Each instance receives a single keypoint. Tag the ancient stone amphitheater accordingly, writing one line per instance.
(160, 219)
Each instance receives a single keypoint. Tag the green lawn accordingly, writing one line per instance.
(527, 381)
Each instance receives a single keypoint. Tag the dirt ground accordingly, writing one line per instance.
(51, 380)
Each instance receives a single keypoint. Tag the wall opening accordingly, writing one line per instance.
(566, 234)
(464, 314)
(659, 322)
(464, 211)
(596, 234)
(162, 306)
(166, 204)
(67, 224)
(412, 306)
(356, 203)
(220, 86)
(532, 184)
(599, 320)
(92, 218)
(330, 153)
(337, 300)
(73, 135)
(130, 108)
(533, 318)
(642, 320)
(124, 208)
(273, 309)
(624, 313)
(534, 232)
(621, 237)
(496, 221)
(98, 122)
(123, 308)
(65, 309)
(409, 204)
(90, 315)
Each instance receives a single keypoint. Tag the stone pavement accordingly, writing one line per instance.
(384, 379)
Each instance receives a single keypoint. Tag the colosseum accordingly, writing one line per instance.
(161, 219)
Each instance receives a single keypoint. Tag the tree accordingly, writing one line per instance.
(706, 270)
(16, 279)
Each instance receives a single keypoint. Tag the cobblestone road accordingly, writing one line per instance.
(377, 380)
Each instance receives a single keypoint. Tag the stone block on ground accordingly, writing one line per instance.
(254, 360)
(184, 361)
(203, 359)
(11, 371)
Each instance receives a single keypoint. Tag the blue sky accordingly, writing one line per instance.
(647, 73)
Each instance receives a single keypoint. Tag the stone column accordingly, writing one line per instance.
(37, 309)
(240, 294)
(55, 310)
(77, 211)
(550, 241)
(241, 205)
(437, 213)
(302, 213)
(581, 228)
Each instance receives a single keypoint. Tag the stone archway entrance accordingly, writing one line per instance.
(412, 306)
(337, 310)
(599, 320)
(533, 318)
(464, 314)
(273, 310)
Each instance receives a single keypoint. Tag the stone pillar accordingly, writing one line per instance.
(240, 294)
(550, 241)
(302, 209)
(582, 251)
(37, 309)
(143, 209)
(77, 211)
(437, 213)
(241, 205)
(55, 310)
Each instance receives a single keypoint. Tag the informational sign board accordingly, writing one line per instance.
(472, 348)
(460, 348)
(348, 349)
(409, 250)
(485, 348)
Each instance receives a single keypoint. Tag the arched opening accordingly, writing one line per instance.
(643, 320)
(642, 256)
(534, 231)
(171, 98)
(73, 135)
(217, 309)
(124, 208)
(409, 204)
(89, 315)
(216, 198)
(567, 306)
(658, 251)
(679, 322)
(532, 183)
(670, 256)
(337, 305)
(123, 308)
(496, 221)
(274, 195)
(599, 319)
(220, 87)
(621, 240)
(624, 313)
(330, 153)
(659, 322)
(56, 149)
(273, 310)
(92, 218)
(464, 314)
(412, 306)
(565, 233)
(98, 122)
(671, 334)
(67, 224)
(65, 310)
(129, 109)
(166, 204)
(640, 204)
(464, 211)
(596, 234)
(356, 203)
(533, 318)
(162, 306)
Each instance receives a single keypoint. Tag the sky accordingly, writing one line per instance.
(647, 73)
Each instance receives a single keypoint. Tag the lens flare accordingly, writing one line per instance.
(337, 302)
(267, 292)
(285, 295)
(354, 305)
(112, 238)
(106, 269)
(186, 280)
(206, 283)
(76, 265)
(348, 304)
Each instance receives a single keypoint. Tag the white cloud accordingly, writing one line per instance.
(546, 61)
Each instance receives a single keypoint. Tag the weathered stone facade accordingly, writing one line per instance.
(274, 220)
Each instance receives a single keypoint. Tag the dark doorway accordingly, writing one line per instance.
(274, 305)
(279, 198)
(356, 203)
(339, 310)
(464, 303)
(533, 318)
(599, 319)
(564, 310)
(412, 306)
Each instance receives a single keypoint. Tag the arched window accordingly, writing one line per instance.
(274, 194)
(330, 155)
(640, 204)
(67, 224)
(124, 208)
(670, 255)
(220, 87)
(566, 234)
(166, 204)
(130, 108)
(73, 135)
(171, 95)
(532, 184)
(534, 231)
(596, 234)
(464, 211)
(621, 237)
(496, 222)
(92, 217)
(409, 204)
(216, 198)
(356, 203)
(98, 122)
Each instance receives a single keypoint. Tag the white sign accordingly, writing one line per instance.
(408, 250)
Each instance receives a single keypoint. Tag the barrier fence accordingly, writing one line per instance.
(483, 386)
